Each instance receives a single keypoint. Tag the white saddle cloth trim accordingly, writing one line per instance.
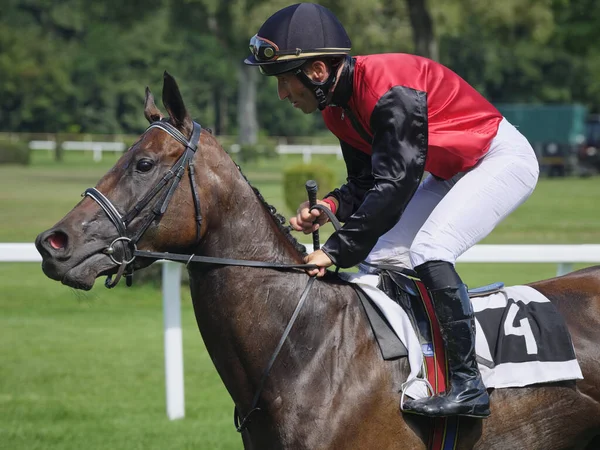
(501, 376)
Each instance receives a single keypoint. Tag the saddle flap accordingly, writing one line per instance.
(389, 343)
(403, 290)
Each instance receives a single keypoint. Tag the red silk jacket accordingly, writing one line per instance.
(397, 115)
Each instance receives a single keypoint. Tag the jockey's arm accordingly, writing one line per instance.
(350, 195)
(399, 125)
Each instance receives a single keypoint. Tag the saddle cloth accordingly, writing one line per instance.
(520, 337)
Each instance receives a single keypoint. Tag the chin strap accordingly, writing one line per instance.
(321, 90)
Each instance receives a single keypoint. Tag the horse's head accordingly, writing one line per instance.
(148, 200)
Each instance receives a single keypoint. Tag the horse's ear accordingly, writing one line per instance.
(151, 112)
(173, 102)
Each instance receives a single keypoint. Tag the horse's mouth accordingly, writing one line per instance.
(83, 274)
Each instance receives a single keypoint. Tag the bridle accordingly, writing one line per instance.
(170, 180)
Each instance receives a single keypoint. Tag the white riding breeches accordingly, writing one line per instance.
(447, 217)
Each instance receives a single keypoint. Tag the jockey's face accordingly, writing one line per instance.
(290, 88)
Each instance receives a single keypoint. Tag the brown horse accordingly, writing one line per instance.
(328, 387)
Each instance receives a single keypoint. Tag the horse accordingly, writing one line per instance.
(328, 387)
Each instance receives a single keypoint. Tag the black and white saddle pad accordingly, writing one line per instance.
(521, 339)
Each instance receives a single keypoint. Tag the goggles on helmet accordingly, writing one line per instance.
(265, 50)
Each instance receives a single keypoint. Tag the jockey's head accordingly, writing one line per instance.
(304, 41)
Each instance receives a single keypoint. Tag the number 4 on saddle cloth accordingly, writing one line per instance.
(521, 339)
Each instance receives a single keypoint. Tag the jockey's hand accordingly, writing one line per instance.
(304, 218)
(319, 258)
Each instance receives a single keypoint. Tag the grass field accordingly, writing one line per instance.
(85, 370)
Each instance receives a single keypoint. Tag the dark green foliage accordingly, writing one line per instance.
(295, 178)
(80, 66)
(14, 153)
(279, 117)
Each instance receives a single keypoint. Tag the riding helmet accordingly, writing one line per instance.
(294, 35)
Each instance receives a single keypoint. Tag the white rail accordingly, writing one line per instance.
(298, 149)
(96, 147)
(171, 290)
(563, 255)
(308, 150)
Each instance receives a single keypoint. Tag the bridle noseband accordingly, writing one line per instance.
(171, 180)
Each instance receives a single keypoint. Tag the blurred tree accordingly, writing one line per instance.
(35, 91)
(232, 24)
(421, 21)
(376, 26)
(578, 38)
(503, 48)
(80, 66)
(45, 47)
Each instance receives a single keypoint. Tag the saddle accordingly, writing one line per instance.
(403, 290)
(512, 350)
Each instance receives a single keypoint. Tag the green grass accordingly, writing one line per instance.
(86, 370)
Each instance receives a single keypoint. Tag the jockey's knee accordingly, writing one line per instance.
(392, 256)
(423, 251)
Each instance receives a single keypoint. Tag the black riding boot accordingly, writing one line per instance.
(467, 395)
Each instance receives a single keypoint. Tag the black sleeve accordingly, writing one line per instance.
(399, 124)
(360, 179)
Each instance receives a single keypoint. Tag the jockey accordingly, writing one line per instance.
(397, 116)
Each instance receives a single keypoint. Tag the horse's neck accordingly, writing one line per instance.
(241, 313)
(245, 229)
(241, 304)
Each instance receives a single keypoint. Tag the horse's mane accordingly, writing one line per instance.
(277, 218)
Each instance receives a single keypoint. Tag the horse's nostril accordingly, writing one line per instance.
(58, 240)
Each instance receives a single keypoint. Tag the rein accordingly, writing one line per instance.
(219, 261)
(254, 408)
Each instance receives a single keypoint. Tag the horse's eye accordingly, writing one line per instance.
(144, 165)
